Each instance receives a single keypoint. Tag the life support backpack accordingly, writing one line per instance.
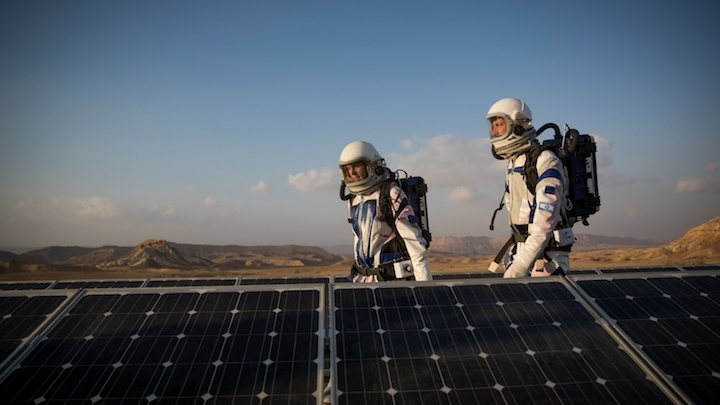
(577, 154)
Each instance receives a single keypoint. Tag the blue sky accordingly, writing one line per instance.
(222, 122)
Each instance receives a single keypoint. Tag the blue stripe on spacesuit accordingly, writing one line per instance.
(363, 216)
(550, 174)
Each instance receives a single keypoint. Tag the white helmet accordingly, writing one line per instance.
(377, 171)
(520, 132)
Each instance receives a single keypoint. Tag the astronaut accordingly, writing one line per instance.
(384, 248)
(535, 216)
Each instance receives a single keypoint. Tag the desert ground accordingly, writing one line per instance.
(440, 263)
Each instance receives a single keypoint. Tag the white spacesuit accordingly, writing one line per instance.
(375, 245)
(533, 218)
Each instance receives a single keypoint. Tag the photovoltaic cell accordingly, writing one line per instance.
(222, 345)
(674, 320)
(478, 342)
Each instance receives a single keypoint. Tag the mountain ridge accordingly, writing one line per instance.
(698, 244)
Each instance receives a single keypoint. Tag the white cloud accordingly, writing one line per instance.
(27, 210)
(450, 161)
(462, 195)
(94, 207)
(712, 166)
(169, 212)
(261, 187)
(209, 202)
(189, 188)
(311, 180)
(407, 144)
(690, 185)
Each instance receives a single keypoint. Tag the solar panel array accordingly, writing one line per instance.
(675, 321)
(632, 335)
(214, 346)
(493, 342)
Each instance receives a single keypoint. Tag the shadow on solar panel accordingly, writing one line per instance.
(256, 346)
(675, 321)
(479, 342)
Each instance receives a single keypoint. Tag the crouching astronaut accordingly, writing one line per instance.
(384, 248)
(541, 240)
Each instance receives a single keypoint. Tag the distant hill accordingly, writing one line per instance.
(156, 254)
(162, 253)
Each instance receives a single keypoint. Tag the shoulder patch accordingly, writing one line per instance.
(549, 190)
(543, 206)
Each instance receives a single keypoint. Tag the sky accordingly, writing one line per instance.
(218, 122)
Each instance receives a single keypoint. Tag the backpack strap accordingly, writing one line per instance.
(529, 171)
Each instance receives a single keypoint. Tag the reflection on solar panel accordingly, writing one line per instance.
(471, 342)
(283, 280)
(21, 313)
(25, 285)
(674, 320)
(191, 282)
(60, 285)
(217, 345)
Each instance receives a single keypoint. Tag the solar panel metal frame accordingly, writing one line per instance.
(652, 373)
(78, 295)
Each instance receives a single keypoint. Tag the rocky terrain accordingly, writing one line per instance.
(154, 258)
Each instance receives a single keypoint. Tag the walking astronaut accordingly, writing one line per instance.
(384, 248)
(536, 216)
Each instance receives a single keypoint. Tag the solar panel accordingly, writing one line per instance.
(637, 269)
(209, 345)
(77, 284)
(468, 275)
(283, 280)
(25, 285)
(479, 341)
(702, 267)
(675, 321)
(21, 314)
(191, 282)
